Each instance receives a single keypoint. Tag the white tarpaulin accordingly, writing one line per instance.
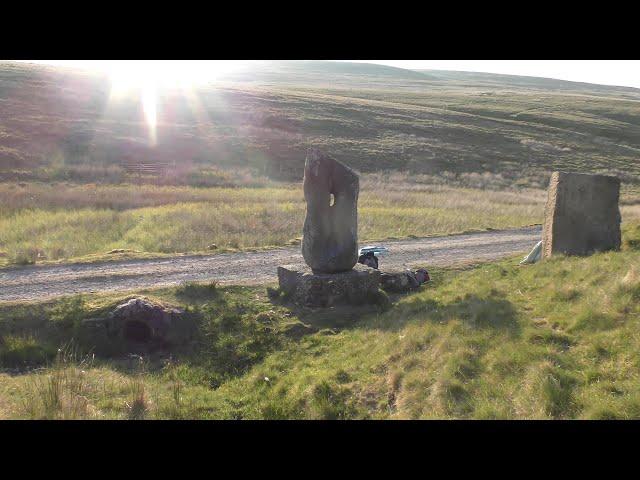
(534, 255)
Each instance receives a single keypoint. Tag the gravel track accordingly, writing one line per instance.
(40, 282)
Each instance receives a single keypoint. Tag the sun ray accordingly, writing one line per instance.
(150, 108)
(148, 77)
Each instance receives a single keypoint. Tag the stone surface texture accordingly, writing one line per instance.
(305, 288)
(141, 320)
(330, 232)
(582, 215)
(398, 282)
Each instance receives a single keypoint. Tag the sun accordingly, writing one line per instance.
(148, 77)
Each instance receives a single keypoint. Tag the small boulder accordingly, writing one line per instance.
(140, 320)
(400, 282)
(143, 322)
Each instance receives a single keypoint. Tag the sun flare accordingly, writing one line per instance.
(148, 77)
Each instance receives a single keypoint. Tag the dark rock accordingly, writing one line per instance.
(399, 282)
(582, 215)
(142, 321)
(330, 233)
(303, 287)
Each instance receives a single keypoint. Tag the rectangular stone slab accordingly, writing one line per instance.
(581, 215)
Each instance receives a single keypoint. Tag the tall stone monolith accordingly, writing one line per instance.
(330, 233)
(581, 215)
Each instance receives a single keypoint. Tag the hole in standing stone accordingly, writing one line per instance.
(137, 331)
(332, 200)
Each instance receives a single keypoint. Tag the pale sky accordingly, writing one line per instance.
(606, 72)
(624, 73)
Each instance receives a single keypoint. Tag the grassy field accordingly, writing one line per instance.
(48, 222)
(438, 153)
(557, 339)
(40, 221)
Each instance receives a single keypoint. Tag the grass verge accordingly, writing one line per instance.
(558, 339)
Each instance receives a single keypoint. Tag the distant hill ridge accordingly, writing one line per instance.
(524, 81)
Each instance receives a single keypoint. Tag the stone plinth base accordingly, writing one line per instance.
(305, 288)
(581, 215)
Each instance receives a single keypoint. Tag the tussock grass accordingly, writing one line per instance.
(138, 404)
(68, 196)
(555, 340)
(42, 222)
(60, 392)
(71, 222)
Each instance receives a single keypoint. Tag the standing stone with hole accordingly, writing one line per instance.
(330, 240)
(330, 232)
(581, 215)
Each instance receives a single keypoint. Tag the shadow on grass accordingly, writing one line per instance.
(492, 311)
(337, 317)
(194, 292)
